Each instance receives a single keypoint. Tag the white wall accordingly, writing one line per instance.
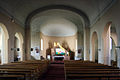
(12, 29)
(35, 43)
(113, 14)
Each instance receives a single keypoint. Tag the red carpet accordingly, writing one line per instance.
(55, 71)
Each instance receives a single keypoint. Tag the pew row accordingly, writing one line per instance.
(86, 70)
(24, 70)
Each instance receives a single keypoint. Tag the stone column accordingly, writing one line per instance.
(86, 43)
(107, 52)
(27, 43)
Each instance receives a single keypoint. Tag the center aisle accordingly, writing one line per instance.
(55, 71)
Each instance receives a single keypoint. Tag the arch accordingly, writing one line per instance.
(113, 44)
(64, 7)
(114, 35)
(4, 49)
(106, 44)
(20, 38)
(109, 35)
(94, 47)
(85, 20)
(113, 53)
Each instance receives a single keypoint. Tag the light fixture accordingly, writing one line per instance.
(31, 49)
(17, 49)
(12, 19)
(99, 49)
(117, 46)
(12, 49)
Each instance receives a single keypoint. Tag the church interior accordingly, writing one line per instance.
(59, 40)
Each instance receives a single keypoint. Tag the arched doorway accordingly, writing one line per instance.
(94, 47)
(110, 41)
(18, 45)
(113, 43)
(3, 44)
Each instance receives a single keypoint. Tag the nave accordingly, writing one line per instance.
(58, 70)
(83, 34)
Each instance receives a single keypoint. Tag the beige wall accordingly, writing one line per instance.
(12, 29)
(69, 39)
(36, 42)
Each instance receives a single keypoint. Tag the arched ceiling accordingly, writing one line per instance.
(58, 27)
(57, 22)
(20, 9)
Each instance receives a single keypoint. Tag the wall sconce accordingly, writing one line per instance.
(12, 19)
(13, 49)
(99, 49)
(31, 49)
(117, 47)
(17, 49)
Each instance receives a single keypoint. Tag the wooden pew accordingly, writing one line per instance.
(30, 69)
(92, 77)
(80, 70)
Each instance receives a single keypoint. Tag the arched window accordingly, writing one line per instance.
(41, 44)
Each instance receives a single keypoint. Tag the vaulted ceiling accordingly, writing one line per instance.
(57, 22)
(20, 9)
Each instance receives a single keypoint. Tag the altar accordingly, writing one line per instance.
(61, 58)
(56, 58)
(58, 53)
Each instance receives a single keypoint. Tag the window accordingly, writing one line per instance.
(110, 43)
(76, 47)
(41, 44)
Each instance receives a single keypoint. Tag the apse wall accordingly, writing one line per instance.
(12, 28)
(112, 15)
(35, 42)
(69, 40)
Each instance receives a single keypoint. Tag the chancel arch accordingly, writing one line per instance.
(56, 25)
(3, 44)
(55, 13)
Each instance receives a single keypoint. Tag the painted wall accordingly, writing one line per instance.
(12, 28)
(70, 41)
(35, 43)
(111, 15)
(81, 44)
